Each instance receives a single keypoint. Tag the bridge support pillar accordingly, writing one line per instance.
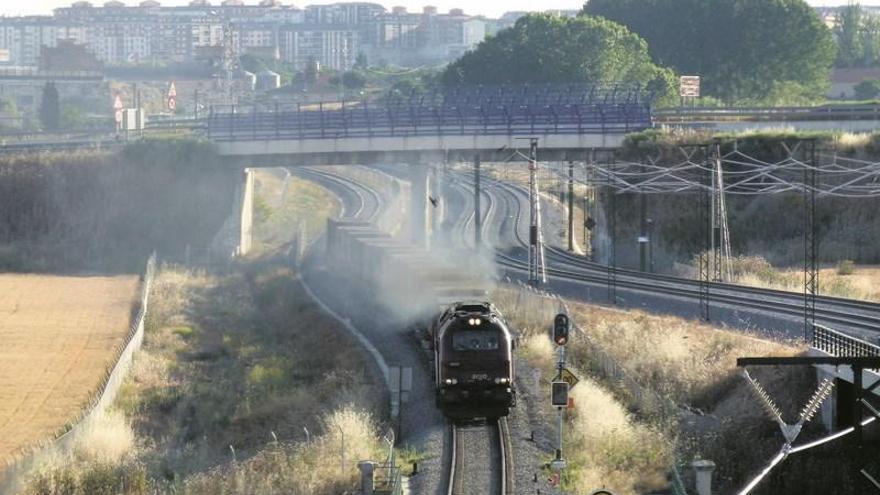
(420, 208)
(246, 219)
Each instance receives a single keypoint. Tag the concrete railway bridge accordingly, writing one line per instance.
(486, 123)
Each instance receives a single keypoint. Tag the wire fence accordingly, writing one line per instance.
(16, 469)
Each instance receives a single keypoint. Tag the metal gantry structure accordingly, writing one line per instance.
(800, 167)
(858, 364)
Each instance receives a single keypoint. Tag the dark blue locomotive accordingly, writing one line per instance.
(473, 360)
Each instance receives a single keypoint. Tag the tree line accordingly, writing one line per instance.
(858, 38)
(746, 51)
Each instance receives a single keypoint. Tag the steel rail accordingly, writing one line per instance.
(508, 474)
(453, 483)
(458, 468)
(352, 187)
(339, 186)
(831, 310)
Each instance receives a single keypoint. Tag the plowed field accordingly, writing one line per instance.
(57, 336)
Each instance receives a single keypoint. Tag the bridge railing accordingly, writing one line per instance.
(840, 344)
(364, 120)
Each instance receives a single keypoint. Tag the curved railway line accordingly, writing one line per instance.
(358, 201)
(860, 316)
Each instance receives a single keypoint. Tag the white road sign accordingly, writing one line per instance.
(690, 86)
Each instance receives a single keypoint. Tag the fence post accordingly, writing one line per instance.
(703, 474)
(367, 476)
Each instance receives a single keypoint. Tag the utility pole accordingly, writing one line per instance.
(588, 186)
(571, 206)
(537, 269)
(478, 220)
(643, 226)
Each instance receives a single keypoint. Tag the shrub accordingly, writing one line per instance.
(92, 479)
(846, 267)
(868, 89)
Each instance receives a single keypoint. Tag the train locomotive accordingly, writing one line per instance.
(471, 343)
(473, 362)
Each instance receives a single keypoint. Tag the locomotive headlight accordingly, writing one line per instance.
(500, 381)
(450, 381)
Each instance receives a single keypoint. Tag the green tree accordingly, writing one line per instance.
(871, 41)
(547, 48)
(312, 69)
(742, 49)
(867, 90)
(353, 80)
(850, 36)
(252, 63)
(50, 108)
(360, 62)
(72, 118)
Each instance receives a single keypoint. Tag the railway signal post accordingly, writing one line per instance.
(562, 383)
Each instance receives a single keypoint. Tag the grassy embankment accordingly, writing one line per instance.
(767, 226)
(846, 279)
(281, 202)
(753, 142)
(236, 371)
(677, 395)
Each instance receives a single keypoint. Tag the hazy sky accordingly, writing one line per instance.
(493, 8)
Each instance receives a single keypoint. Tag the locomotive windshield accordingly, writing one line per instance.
(475, 340)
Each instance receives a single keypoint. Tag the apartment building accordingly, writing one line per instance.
(333, 47)
(119, 33)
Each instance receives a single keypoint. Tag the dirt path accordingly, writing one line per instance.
(57, 337)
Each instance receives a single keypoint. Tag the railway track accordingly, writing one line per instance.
(482, 459)
(862, 318)
(358, 201)
(481, 454)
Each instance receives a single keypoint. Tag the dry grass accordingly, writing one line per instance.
(626, 441)
(238, 360)
(302, 468)
(59, 336)
(688, 362)
(282, 201)
(606, 445)
(851, 281)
